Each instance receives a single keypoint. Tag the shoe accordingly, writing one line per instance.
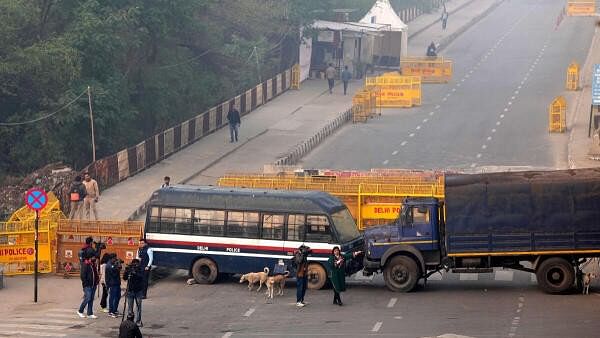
(139, 323)
(105, 310)
(81, 315)
(299, 304)
(340, 303)
(92, 316)
(114, 315)
(335, 302)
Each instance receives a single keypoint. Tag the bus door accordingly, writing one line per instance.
(272, 238)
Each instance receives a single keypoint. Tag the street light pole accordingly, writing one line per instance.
(89, 92)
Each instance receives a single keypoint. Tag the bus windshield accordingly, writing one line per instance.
(345, 226)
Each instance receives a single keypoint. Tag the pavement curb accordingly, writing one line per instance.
(447, 40)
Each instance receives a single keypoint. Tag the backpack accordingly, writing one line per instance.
(75, 196)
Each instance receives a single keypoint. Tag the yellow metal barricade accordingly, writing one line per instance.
(295, 83)
(572, 76)
(363, 105)
(396, 91)
(430, 69)
(372, 199)
(557, 115)
(17, 254)
(52, 210)
(581, 7)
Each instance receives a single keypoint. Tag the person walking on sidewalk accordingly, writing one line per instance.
(233, 116)
(91, 197)
(346, 77)
(76, 195)
(330, 76)
(337, 264)
(444, 18)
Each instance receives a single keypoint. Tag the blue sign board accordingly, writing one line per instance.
(596, 86)
(36, 199)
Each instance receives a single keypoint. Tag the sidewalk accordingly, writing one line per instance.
(578, 112)
(267, 133)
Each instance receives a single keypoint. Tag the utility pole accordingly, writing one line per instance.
(255, 51)
(92, 123)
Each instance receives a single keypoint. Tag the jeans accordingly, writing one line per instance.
(233, 131)
(88, 299)
(104, 296)
(331, 82)
(114, 298)
(301, 283)
(345, 87)
(135, 297)
(146, 277)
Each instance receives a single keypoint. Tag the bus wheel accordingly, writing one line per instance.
(400, 274)
(317, 277)
(555, 275)
(205, 271)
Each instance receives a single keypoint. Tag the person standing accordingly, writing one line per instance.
(233, 116)
(105, 259)
(166, 182)
(337, 266)
(91, 197)
(128, 329)
(113, 282)
(77, 193)
(444, 18)
(89, 281)
(146, 256)
(135, 288)
(301, 263)
(330, 76)
(346, 77)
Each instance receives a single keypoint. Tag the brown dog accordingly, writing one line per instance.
(255, 277)
(279, 280)
(587, 280)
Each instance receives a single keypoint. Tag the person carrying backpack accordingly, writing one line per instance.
(301, 263)
(76, 195)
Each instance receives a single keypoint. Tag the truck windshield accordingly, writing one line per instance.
(345, 226)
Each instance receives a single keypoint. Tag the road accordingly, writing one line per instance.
(507, 70)
(503, 304)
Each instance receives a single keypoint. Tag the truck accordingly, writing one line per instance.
(542, 222)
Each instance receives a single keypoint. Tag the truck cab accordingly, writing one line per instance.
(407, 248)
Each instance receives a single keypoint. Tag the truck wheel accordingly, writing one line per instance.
(205, 271)
(555, 275)
(401, 274)
(317, 277)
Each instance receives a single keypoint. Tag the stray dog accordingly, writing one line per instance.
(587, 280)
(279, 280)
(254, 277)
(191, 281)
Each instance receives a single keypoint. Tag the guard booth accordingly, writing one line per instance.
(119, 237)
(572, 76)
(557, 115)
(430, 69)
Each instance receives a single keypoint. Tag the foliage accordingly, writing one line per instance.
(150, 65)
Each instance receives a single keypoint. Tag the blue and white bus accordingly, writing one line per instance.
(214, 231)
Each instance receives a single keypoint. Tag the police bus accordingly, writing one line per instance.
(216, 231)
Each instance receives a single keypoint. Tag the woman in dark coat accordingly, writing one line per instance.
(337, 264)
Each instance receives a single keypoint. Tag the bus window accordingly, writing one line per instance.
(295, 228)
(167, 220)
(183, 221)
(154, 222)
(272, 226)
(317, 229)
(242, 224)
(209, 222)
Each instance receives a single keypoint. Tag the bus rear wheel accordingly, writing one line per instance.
(205, 271)
(317, 276)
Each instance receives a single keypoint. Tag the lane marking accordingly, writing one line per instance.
(431, 113)
(484, 146)
(437, 107)
(227, 334)
(501, 116)
(418, 127)
(386, 162)
(458, 84)
(249, 312)
(519, 87)
(498, 123)
(398, 317)
(453, 89)
(395, 152)
(392, 302)
(425, 120)
(376, 327)
(403, 143)
(489, 138)
(505, 109)
(494, 130)
(479, 155)
(473, 165)
(512, 98)
(444, 99)
(516, 92)
(411, 135)
(509, 103)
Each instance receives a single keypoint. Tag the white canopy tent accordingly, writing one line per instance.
(395, 41)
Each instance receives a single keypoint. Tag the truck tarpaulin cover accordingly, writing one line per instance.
(523, 211)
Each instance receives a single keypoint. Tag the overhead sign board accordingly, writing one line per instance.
(596, 85)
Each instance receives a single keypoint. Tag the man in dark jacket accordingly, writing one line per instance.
(89, 281)
(113, 282)
(129, 329)
(301, 264)
(76, 196)
(146, 257)
(135, 288)
(233, 116)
